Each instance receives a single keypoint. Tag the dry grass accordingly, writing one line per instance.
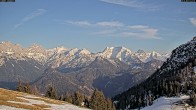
(30, 107)
(8, 95)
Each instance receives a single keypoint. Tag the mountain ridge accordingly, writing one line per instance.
(81, 69)
(41, 54)
(176, 76)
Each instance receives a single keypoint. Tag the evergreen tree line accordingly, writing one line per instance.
(26, 88)
(171, 83)
(96, 102)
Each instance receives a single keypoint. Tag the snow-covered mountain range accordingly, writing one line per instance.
(75, 57)
(77, 68)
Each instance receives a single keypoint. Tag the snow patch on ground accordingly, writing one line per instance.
(35, 100)
(167, 103)
(30, 96)
(3, 107)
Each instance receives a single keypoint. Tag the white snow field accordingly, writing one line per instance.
(169, 103)
(3, 107)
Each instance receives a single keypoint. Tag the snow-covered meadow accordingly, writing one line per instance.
(169, 103)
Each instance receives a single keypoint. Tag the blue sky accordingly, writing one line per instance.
(159, 25)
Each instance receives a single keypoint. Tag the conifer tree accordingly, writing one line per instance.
(34, 90)
(110, 105)
(27, 88)
(51, 93)
(86, 102)
(68, 97)
(98, 101)
(19, 87)
(78, 98)
(193, 98)
(61, 97)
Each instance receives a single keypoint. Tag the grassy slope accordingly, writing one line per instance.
(21, 100)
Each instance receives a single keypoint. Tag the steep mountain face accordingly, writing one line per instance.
(129, 57)
(70, 58)
(121, 53)
(176, 76)
(66, 60)
(16, 63)
(81, 79)
(122, 80)
(114, 70)
(110, 76)
(61, 82)
(15, 51)
(37, 52)
(146, 57)
(123, 77)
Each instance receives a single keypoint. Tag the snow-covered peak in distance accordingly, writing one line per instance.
(142, 55)
(84, 51)
(57, 50)
(37, 52)
(6, 42)
(155, 54)
(141, 51)
(115, 52)
(127, 55)
(77, 52)
(34, 45)
(8, 48)
(146, 57)
(71, 52)
(41, 54)
(35, 48)
(61, 49)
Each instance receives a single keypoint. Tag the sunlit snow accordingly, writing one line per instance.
(36, 100)
(167, 103)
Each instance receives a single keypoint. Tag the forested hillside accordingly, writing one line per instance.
(176, 76)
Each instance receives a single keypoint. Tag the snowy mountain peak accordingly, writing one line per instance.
(39, 53)
(113, 52)
(119, 48)
(34, 45)
(60, 49)
(84, 52)
(71, 52)
(10, 49)
(127, 56)
(36, 48)
(155, 54)
(56, 51)
(120, 53)
(6, 42)
(141, 51)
